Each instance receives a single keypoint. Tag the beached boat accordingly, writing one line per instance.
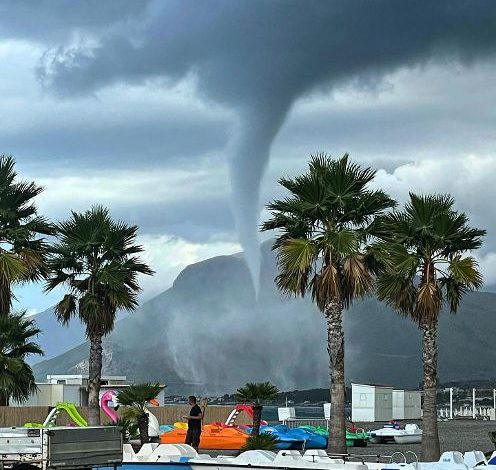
(354, 437)
(212, 437)
(296, 438)
(182, 457)
(412, 434)
(54, 448)
(221, 437)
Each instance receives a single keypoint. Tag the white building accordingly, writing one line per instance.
(82, 380)
(371, 403)
(407, 404)
(73, 389)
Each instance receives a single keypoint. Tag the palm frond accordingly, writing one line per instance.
(263, 441)
(16, 343)
(326, 285)
(256, 392)
(137, 396)
(359, 278)
(417, 245)
(96, 259)
(295, 259)
(397, 291)
(333, 209)
(465, 271)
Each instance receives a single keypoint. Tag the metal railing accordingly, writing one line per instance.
(377, 458)
(316, 422)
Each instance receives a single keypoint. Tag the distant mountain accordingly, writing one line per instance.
(209, 333)
(56, 338)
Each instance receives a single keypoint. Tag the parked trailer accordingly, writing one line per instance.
(60, 447)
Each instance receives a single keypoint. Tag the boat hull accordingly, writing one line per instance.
(408, 439)
(211, 438)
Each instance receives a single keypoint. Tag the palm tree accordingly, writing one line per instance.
(22, 246)
(136, 397)
(95, 257)
(424, 249)
(260, 442)
(323, 228)
(16, 343)
(256, 393)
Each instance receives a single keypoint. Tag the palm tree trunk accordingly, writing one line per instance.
(335, 348)
(95, 375)
(430, 436)
(143, 427)
(4, 398)
(5, 296)
(257, 418)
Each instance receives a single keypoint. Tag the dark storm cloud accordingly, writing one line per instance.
(123, 142)
(195, 221)
(259, 56)
(55, 20)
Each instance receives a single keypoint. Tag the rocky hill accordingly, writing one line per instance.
(209, 333)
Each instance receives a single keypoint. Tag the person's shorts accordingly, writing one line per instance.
(193, 437)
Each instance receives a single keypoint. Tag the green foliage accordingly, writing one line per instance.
(96, 258)
(423, 251)
(323, 227)
(137, 396)
(129, 427)
(260, 442)
(256, 392)
(16, 343)
(23, 248)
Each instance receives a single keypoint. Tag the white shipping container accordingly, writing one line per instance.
(413, 404)
(371, 403)
(398, 404)
(407, 404)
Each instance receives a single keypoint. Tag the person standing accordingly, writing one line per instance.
(194, 423)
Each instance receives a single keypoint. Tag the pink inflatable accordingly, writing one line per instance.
(107, 397)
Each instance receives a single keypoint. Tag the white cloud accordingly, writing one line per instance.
(487, 265)
(169, 255)
(132, 187)
(470, 180)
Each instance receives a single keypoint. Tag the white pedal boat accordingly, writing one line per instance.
(412, 434)
(183, 457)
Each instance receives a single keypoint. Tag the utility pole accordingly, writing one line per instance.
(451, 402)
(473, 403)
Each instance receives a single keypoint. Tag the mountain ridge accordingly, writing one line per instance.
(209, 333)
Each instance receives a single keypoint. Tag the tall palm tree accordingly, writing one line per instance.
(136, 397)
(324, 225)
(22, 245)
(256, 393)
(424, 248)
(95, 258)
(16, 343)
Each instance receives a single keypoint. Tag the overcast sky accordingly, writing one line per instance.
(181, 115)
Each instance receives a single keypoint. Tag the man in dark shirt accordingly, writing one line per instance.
(194, 424)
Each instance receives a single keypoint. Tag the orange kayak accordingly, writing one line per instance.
(212, 437)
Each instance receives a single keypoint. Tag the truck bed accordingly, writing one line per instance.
(57, 447)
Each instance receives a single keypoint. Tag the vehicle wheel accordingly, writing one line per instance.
(25, 466)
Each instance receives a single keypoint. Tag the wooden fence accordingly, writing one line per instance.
(169, 414)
